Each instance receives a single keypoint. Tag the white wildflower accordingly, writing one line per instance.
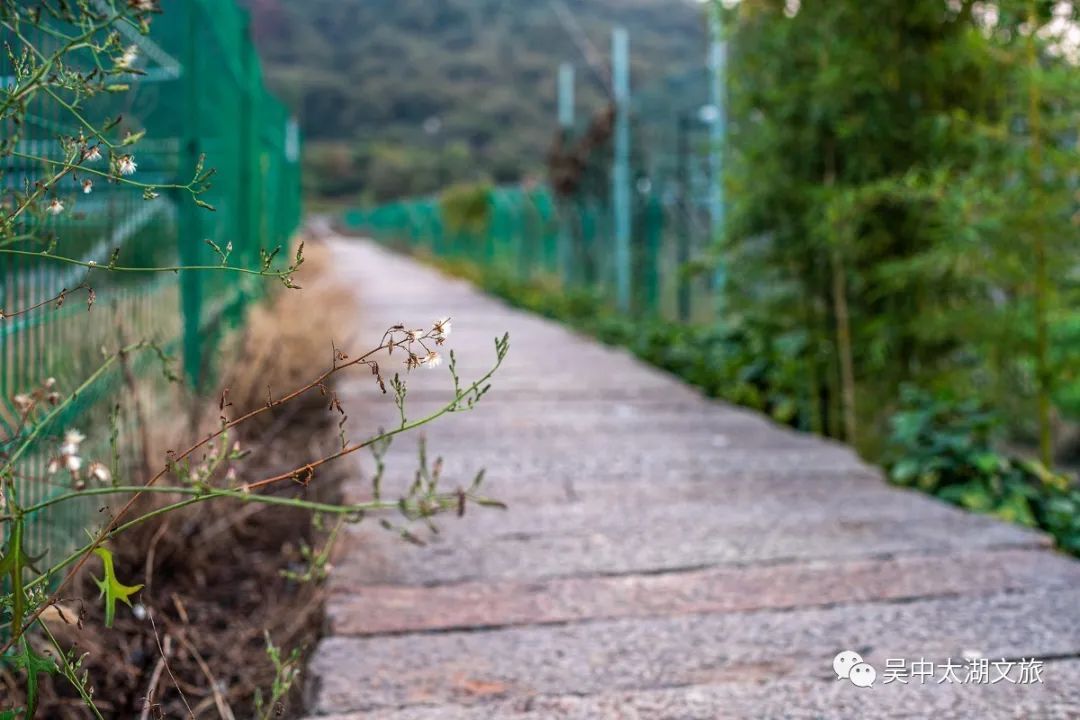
(99, 472)
(49, 382)
(87, 186)
(23, 402)
(139, 611)
(126, 165)
(72, 440)
(73, 463)
(131, 54)
(92, 154)
(55, 207)
(442, 328)
(433, 360)
(53, 466)
(414, 335)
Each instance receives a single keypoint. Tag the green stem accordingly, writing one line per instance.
(47, 66)
(78, 116)
(159, 269)
(101, 173)
(204, 496)
(69, 672)
(210, 493)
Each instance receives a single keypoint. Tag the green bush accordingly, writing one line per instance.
(947, 448)
(743, 364)
(940, 446)
(466, 208)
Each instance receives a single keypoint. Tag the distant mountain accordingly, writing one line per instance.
(405, 96)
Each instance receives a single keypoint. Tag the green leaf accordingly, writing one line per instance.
(33, 665)
(112, 588)
(905, 471)
(133, 138)
(12, 564)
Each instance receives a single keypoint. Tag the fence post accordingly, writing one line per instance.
(653, 222)
(250, 181)
(718, 131)
(189, 222)
(620, 50)
(682, 226)
(565, 258)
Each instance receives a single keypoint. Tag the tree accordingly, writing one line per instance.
(895, 203)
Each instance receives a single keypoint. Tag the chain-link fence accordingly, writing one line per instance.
(198, 89)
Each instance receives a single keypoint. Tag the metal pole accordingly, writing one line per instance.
(189, 226)
(566, 96)
(718, 132)
(620, 50)
(566, 127)
(682, 225)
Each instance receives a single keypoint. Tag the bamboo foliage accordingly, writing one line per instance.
(905, 171)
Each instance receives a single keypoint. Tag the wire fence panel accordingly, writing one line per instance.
(565, 232)
(198, 89)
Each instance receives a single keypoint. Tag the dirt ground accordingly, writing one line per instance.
(220, 578)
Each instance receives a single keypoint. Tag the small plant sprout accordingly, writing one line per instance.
(286, 673)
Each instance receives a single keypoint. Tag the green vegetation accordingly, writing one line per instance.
(403, 97)
(902, 179)
(901, 175)
(945, 447)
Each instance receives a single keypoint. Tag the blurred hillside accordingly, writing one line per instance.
(402, 97)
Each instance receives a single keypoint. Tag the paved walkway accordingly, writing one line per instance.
(665, 555)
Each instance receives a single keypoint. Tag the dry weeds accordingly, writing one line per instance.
(213, 574)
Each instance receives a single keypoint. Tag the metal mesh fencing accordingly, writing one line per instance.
(565, 231)
(199, 90)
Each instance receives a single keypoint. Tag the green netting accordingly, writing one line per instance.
(202, 92)
(566, 231)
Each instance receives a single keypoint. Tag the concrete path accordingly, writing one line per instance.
(664, 555)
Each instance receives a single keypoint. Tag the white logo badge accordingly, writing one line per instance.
(849, 665)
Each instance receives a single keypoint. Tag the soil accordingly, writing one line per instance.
(195, 643)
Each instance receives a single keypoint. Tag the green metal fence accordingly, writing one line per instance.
(199, 90)
(566, 231)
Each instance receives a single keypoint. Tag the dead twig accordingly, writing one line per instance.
(165, 652)
(224, 711)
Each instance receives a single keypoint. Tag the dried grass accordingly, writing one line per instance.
(213, 572)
